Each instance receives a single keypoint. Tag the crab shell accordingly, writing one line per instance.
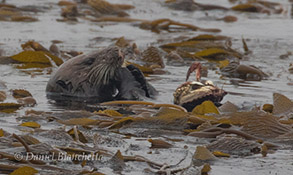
(193, 93)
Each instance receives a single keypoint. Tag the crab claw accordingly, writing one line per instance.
(196, 66)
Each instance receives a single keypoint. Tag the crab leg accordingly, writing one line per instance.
(195, 67)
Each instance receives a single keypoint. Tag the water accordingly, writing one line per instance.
(269, 37)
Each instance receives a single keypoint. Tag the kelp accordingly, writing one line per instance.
(31, 124)
(259, 7)
(165, 118)
(259, 124)
(77, 135)
(152, 56)
(220, 154)
(234, 145)
(39, 59)
(166, 24)
(27, 101)
(205, 46)
(1, 132)
(2, 96)
(25, 170)
(249, 7)
(189, 5)
(213, 54)
(158, 143)
(33, 45)
(110, 112)
(144, 69)
(205, 108)
(20, 93)
(245, 140)
(228, 19)
(205, 169)
(282, 104)
(107, 8)
(203, 154)
(246, 72)
(70, 13)
(66, 3)
(124, 121)
(9, 107)
(291, 68)
(268, 108)
(30, 140)
(207, 37)
(23, 19)
(79, 121)
(14, 14)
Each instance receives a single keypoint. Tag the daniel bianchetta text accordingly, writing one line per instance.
(57, 157)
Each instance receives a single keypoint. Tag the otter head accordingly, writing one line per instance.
(103, 65)
(87, 75)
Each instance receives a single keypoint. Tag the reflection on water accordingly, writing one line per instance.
(269, 37)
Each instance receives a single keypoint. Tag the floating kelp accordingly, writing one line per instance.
(213, 54)
(70, 12)
(190, 5)
(153, 56)
(37, 57)
(106, 8)
(33, 45)
(2, 96)
(228, 107)
(25, 170)
(66, 3)
(203, 155)
(110, 112)
(235, 146)
(259, 124)
(21, 93)
(31, 124)
(9, 107)
(11, 13)
(210, 47)
(23, 19)
(246, 72)
(166, 24)
(27, 101)
(228, 19)
(158, 143)
(220, 154)
(206, 37)
(79, 121)
(282, 104)
(247, 8)
(77, 135)
(291, 68)
(206, 107)
(259, 7)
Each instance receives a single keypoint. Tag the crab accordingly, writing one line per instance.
(193, 93)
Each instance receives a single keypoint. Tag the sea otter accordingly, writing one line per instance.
(98, 77)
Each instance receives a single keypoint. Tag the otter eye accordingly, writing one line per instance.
(89, 61)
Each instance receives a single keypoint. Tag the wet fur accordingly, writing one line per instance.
(97, 77)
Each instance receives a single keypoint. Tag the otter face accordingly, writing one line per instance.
(101, 67)
(88, 75)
